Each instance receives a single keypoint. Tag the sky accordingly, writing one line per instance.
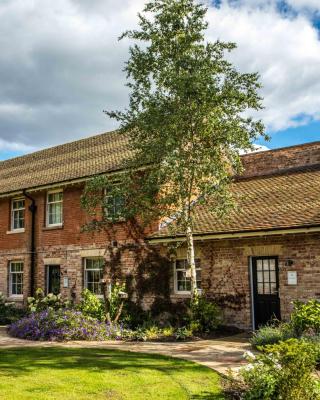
(61, 65)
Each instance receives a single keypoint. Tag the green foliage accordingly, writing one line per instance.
(283, 372)
(50, 302)
(187, 120)
(272, 334)
(205, 316)
(306, 317)
(9, 312)
(91, 305)
(183, 333)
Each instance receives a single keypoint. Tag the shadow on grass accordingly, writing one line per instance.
(16, 362)
(23, 360)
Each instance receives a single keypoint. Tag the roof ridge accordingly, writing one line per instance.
(283, 171)
(254, 153)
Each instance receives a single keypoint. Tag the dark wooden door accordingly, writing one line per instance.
(53, 279)
(265, 273)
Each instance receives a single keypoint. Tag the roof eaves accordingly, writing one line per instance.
(236, 234)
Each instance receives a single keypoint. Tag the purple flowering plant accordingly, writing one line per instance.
(63, 325)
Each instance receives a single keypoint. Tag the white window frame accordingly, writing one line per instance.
(53, 202)
(106, 213)
(11, 276)
(175, 277)
(85, 280)
(13, 210)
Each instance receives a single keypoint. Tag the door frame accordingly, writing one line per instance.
(47, 266)
(252, 285)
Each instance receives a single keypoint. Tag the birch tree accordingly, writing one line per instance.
(187, 120)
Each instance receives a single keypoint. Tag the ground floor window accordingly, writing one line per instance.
(93, 272)
(16, 278)
(182, 277)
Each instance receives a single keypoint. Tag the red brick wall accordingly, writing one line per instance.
(64, 243)
(225, 272)
(266, 162)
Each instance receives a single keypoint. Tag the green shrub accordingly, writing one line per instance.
(91, 305)
(205, 316)
(40, 302)
(283, 372)
(9, 312)
(306, 317)
(314, 340)
(183, 333)
(271, 334)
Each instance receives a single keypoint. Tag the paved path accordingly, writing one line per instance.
(219, 354)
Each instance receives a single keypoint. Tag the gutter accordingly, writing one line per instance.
(32, 209)
(237, 235)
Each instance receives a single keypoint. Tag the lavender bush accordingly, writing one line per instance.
(63, 325)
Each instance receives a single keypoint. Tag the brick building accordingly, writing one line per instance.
(253, 263)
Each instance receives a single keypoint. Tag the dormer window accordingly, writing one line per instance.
(17, 214)
(55, 208)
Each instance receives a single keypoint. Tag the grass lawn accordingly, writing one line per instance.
(89, 373)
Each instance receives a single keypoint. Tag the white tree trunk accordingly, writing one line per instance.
(191, 264)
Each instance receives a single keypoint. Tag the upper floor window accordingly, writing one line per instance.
(16, 278)
(55, 208)
(114, 206)
(93, 273)
(17, 214)
(182, 276)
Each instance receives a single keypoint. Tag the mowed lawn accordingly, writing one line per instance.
(90, 373)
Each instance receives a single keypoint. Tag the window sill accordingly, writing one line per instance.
(15, 298)
(15, 231)
(53, 227)
(185, 294)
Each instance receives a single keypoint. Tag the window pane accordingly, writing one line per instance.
(260, 288)
(183, 278)
(16, 278)
(272, 264)
(93, 274)
(55, 213)
(54, 197)
(16, 267)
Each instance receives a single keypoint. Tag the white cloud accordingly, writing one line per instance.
(305, 4)
(61, 64)
(286, 53)
(13, 146)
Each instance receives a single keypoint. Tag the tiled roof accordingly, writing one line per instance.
(86, 157)
(280, 201)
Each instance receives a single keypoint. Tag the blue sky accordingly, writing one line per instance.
(54, 87)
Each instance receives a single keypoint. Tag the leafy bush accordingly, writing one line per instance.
(40, 302)
(62, 325)
(183, 333)
(306, 317)
(271, 334)
(283, 372)
(91, 305)
(205, 316)
(9, 312)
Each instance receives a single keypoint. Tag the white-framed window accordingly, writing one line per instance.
(54, 208)
(16, 278)
(93, 273)
(114, 206)
(17, 214)
(182, 280)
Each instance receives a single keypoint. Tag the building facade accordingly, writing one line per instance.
(254, 263)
